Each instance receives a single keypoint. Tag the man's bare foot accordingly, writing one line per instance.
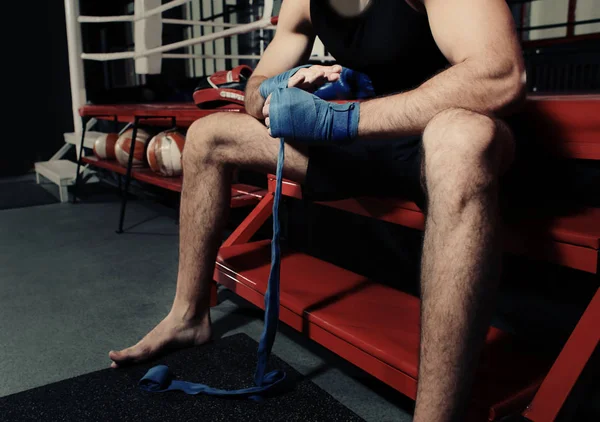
(171, 333)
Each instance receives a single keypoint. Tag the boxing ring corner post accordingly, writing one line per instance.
(75, 50)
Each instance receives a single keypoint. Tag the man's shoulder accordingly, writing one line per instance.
(294, 14)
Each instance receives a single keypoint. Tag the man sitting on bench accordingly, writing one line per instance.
(449, 70)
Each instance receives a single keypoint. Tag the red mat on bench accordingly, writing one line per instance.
(185, 113)
(568, 124)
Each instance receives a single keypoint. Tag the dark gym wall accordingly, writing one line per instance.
(37, 93)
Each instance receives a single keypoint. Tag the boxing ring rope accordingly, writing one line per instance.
(243, 29)
(149, 13)
(111, 19)
(263, 23)
(76, 54)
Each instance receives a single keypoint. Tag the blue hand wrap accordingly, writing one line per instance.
(158, 379)
(303, 117)
(279, 81)
(351, 85)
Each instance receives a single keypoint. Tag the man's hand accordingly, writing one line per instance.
(325, 82)
(303, 117)
(306, 77)
(312, 78)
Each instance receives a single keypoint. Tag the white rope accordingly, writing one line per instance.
(201, 23)
(133, 18)
(264, 22)
(205, 38)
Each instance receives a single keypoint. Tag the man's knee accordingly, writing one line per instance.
(207, 142)
(461, 135)
(465, 152)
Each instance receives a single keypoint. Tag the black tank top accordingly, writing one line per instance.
(389, 41)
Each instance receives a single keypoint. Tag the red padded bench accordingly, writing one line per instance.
(159, 114)
(350, 315)
(155, 114)
(241, 195)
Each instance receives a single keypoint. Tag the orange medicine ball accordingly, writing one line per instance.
(123, 146)
(164, 153)
(104, 147)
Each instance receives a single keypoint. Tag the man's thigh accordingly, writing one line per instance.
(241, 140)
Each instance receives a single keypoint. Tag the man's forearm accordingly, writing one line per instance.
(468, 85)
(254, 102)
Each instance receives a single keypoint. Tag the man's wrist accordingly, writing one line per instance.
(298, 115)
(278, 81)
(254, 100)
(387, 118)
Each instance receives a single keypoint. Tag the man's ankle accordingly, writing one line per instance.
(188, 312)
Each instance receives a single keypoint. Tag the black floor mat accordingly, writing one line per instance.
(113, 395)
(24, 194)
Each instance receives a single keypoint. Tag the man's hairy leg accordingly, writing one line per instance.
(215, 146)
(464, 155)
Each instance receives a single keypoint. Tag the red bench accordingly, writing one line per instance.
(241, 195)
(350, 314)
(160, 114)
(156, 114)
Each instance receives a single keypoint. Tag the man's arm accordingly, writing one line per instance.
(487, 74)
(290, 47)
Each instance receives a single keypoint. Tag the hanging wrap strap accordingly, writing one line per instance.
(158, 379)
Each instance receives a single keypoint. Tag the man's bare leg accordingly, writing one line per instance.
(215, 146)
(464, 155)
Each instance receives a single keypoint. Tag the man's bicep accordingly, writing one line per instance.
(293, 40)
(465, 29)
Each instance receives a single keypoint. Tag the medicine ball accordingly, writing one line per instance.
(123, 146)
(104, 146)
(164, 153)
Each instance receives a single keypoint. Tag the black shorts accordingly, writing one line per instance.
(538, 178)
(366, 168)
